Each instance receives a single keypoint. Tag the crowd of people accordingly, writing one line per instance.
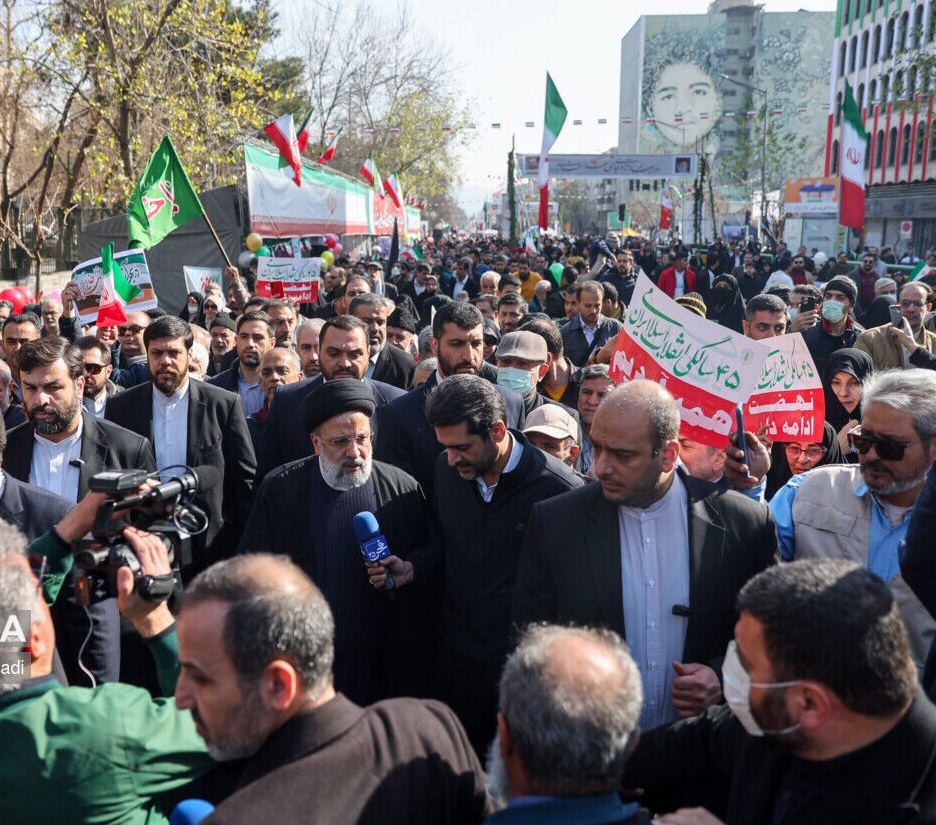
(615, 621)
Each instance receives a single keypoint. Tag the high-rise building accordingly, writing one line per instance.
(885, 50)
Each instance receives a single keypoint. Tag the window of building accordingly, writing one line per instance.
(872, 93)
(899, 86)
(876, 48)
(902, 32)
(885, 89)
(932, 142)
(835, 157)
(879, 150)
(846, 13)
(918, 26)
(843, 56)
(905, 145)
(889, 38)
(931, 33)
(852, 54)
(892, 147)
(838, 108)
(864, 50)
(911, 83)
(920, 143)
(859, 98)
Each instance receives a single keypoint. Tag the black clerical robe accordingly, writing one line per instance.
(383, 643)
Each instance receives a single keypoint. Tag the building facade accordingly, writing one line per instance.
(885, 50)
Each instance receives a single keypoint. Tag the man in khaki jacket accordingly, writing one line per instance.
(862, 512)
(915, 301)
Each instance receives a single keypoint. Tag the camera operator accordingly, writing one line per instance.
(88, 754)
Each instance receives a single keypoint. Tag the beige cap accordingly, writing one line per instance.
(522, 344)
(552, 420)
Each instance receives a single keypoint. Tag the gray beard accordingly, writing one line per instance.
(336, 478)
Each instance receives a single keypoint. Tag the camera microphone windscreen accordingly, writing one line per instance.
(191, 812)
(208, 477)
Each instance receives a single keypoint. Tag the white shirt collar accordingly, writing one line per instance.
(66, 443)
(171, 400)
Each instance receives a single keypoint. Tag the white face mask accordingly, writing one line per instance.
(737, 686)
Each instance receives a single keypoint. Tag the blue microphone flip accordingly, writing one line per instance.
(373, 543)
(191, 812)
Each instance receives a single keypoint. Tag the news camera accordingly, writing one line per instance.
(166, 510)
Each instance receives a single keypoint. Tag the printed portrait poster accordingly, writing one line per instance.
(296, 278)
(89, 275)
(708, 368)
(788, 399)
(197, 278)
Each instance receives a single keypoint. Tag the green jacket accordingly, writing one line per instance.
(99, 755)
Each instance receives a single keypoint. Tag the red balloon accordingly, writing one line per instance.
(15, 297)
(330, 241)
(337, 249)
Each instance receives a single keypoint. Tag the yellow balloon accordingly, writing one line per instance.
(254, 241)
(328, 256)
(406, 237)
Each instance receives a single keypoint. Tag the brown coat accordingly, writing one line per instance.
(884, 350)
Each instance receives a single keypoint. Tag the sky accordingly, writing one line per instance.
(504, 48)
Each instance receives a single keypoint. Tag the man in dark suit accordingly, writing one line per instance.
(591, 330)
(379, 283)
(387, 363)
(59, 448)
(648, 550)
(254, 338)
(195, 424)
(310, 754)
(463, 282)
(343, 353)
(406, 440)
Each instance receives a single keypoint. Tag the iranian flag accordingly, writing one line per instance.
(304, 134)
(371, 175)
(552, 124)
(852, 165)
(116, 291)
(666, 210)
(282, 132)
(329, 153)
(392, 187)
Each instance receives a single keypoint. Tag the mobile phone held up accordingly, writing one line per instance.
(742, 438)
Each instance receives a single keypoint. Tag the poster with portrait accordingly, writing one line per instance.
(198, 278)
(89, 278)
(708, 368)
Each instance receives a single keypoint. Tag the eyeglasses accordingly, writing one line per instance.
(93, 369)
(266, 372)
(362, 440)
(906, 303)
(814, 452)
(136, 329)
(886, 448)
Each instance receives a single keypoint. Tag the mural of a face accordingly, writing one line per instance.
(686, 90)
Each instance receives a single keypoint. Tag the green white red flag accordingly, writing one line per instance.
(553, 120)
(666, 210)
(329, 153)
(392, 188)
(371, 175)
(304, 132)
(282, 132)
(852, 164)
(116, 291)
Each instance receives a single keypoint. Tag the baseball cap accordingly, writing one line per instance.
(528, 346)
(552, 420)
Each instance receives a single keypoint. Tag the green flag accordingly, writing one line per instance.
(163, 200)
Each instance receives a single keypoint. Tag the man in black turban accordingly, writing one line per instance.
(304, 509)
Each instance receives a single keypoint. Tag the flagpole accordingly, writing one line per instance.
(214, 235)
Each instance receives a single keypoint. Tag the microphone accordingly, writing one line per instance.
(76, 462)
(191, 812)
(682, 610)
(374, 545)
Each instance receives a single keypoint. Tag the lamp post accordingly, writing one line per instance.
(763, 163)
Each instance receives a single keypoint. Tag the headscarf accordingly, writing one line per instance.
(780, 472)
(878, 312)
(856, 363)
(725, 306)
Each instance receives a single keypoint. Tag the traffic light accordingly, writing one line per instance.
(622, 211)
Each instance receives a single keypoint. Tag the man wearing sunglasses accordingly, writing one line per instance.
(862, 513)
(914, 300)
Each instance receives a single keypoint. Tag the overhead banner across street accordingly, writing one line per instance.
(612, 166)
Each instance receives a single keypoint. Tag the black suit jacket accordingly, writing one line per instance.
(394, 367)
(217, 436)
(104, 446)
(407, 441)
(470, 286)
(31, 509)
(575, 344)
(285, 438)
(227, 380)
(570, 567)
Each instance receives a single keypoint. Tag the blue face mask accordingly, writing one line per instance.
(833, 311)
(515, 379)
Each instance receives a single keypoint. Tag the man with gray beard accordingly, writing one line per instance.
(304, 509)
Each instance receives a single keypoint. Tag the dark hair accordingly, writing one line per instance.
(256, 315)
(466, 399)
(610, 291)
(168, 327)
(837, 623)
(589, 286)
(592, 371)
(43, 352)
(548, 332)
(508, 280)
(765, 302)
(266, 621)
(90, 342)
(512, 299)
(345, 322)
(782, 291)
(22, 318)
(279, 303)
(369, 299)
(808, 290)
(464, 316)
(256, 300)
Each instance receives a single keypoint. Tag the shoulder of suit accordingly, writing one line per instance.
(400, 478)
(288, 471)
